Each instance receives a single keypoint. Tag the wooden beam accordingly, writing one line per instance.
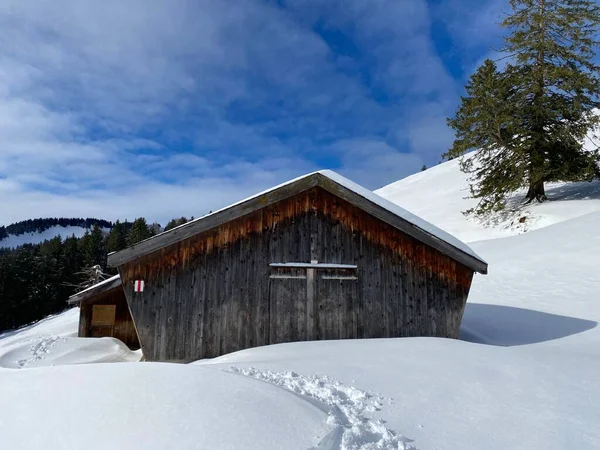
(299, 265)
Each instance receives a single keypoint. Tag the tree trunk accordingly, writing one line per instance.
(536, 192)
(536, 188)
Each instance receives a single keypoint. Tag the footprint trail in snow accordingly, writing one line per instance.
(39, 349)
(348, 411)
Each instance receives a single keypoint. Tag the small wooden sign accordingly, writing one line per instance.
(138, 285)
(103, 315)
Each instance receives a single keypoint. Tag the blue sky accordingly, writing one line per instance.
(163, 108)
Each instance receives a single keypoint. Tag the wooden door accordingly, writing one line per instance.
(338, 305)
(103, 320)
(287, 305)
(313, 302)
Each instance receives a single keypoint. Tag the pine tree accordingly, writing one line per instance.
(155, 228)
(83, 247)
(95, 249)
(139, 231)
(72, 262)
(117, 238)
(528, 121)
(175, 223)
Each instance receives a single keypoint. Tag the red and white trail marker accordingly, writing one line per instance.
(138, 285)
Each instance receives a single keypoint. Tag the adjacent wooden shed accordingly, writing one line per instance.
(316, 258)
(103, 312)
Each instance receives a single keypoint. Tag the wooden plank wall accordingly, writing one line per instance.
(212, 294)
(123, 329)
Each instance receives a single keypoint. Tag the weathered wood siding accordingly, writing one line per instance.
(214, 293)
(123, 328)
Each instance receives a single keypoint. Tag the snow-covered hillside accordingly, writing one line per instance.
(13, 241)
(524, 375)
(440, 195)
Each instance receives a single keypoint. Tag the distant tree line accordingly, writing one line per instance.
(37, 279)
(40, 225)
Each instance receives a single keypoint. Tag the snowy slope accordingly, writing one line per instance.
(525, 375)
(440, 194)
(13, 241)
(53, 341)
(159, 405)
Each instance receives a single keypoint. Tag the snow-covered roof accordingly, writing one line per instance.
(400, 212)
(420, 228)
(97, 288)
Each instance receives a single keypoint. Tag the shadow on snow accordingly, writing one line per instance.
(507, 326)
(516, 208)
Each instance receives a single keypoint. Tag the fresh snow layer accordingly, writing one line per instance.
(55, 351)
(151, 406)
(544, 285)
(102, 283)
(13, 241)
(53, 342)
(440, 195)
(348, 410)
(62, 325)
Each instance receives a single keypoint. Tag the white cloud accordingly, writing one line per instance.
(161, 108)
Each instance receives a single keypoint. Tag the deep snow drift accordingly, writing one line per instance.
(525, 375)
(53, 342)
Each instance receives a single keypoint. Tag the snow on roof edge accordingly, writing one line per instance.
(97, 285)
(232, 205)
(363, 192)
(394, 208)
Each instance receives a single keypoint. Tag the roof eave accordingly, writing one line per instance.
(403, 225)
(268, 198)
(94, 291)
(213, 220)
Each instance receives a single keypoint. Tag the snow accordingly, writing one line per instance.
(345, 407)
(13, 241)
(110, 280)
(152, 407)
(440, 195)
(524, 375)
(62, 325)
(149, 405)
(53, 341)
(366, 194)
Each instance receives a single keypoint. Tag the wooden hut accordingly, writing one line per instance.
(103, 311)
(316, 258)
